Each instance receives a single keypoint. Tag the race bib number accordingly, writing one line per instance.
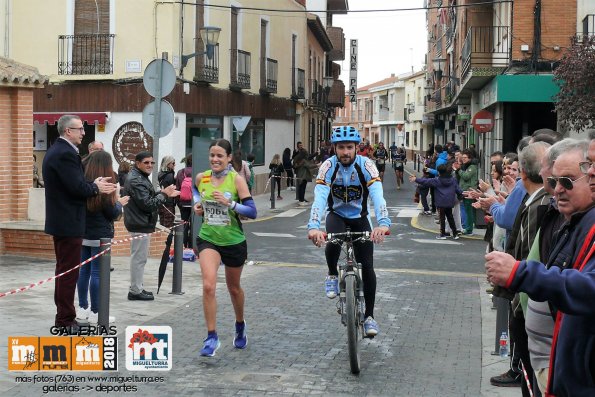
(216, 214)
(398, 163)
(380, 161)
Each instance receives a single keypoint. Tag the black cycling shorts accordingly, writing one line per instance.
(231, 255)
(380, 167)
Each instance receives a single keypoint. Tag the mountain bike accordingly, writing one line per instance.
(351, 305)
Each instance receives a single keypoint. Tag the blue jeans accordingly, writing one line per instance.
(89, 276)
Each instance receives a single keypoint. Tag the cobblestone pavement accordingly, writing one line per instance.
(430, 342)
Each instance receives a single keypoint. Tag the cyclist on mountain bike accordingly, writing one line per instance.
(343, 184)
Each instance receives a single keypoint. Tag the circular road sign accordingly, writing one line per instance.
(483, 121)
(159, 74)
(166, 120)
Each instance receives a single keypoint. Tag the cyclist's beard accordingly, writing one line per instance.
(346, 160)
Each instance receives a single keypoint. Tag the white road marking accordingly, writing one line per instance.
(409, 213)
(290, 213)
(285, 235)
(430, 241)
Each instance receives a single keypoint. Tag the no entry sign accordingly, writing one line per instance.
(483, 121)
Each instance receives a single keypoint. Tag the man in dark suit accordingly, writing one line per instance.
(66, 193)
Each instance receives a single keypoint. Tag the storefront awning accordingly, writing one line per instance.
(87, 117)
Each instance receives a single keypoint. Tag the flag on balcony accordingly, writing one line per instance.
(442, 16)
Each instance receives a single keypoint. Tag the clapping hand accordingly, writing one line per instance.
(508, 183)
(171, 191)
(104, 186)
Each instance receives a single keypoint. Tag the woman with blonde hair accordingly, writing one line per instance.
(276, 167)
(167, 211)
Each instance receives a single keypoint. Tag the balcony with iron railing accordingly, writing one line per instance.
(240, 69)
(438, 47)
(84, 54)
(298, 85)
(486, 47)
(207, 70)
(316, 93)
(268, 76)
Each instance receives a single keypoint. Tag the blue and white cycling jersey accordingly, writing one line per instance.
(345, 190)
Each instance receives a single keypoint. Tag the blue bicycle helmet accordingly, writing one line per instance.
(345, 134)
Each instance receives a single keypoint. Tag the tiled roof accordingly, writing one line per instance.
(18, 74)
(388, 80)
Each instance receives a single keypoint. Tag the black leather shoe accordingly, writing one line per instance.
(507, 379)
(140, 297)
(147, 292)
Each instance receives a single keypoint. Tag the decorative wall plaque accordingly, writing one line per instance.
(130, 139)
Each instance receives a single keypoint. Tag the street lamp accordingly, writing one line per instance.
(209, 36)
(438, 74)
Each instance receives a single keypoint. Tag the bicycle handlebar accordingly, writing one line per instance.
(330, 236)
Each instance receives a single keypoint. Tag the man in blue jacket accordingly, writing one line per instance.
(66, 193)
(343, 185)
(567, 280)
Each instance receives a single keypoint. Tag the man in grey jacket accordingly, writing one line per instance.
(140, 216)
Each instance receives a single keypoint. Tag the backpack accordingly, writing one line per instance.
(186, 188)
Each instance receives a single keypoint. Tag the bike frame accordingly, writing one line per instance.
(351, 305)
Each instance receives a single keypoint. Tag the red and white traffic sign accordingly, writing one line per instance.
(483, 121)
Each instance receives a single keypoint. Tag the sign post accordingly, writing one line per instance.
(159, 80)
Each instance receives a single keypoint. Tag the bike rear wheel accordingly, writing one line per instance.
(352, 323)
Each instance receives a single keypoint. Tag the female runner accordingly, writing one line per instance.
(221, 197)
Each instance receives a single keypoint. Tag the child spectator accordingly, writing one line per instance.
(447, 191)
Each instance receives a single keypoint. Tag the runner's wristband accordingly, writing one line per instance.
(195, 195)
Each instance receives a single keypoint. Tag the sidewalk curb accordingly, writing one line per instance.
(415, 224)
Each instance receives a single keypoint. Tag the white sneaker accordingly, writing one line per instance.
(303, 204)
(82, 314)
(94, 317)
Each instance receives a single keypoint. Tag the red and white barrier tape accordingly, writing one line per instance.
(146, 234)
(526, 379)
(25, 288)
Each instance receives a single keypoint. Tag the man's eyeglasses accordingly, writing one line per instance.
(585, 166)
(149, 162)
(564, 181)
(79, 129)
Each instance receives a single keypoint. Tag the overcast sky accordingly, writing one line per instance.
(388, 42)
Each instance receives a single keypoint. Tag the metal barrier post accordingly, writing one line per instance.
(501, 321)
(273, 181)
(176, 284)
(104, 282)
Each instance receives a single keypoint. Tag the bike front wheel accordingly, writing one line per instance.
(352, 323)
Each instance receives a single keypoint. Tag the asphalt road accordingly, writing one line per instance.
(283, 239)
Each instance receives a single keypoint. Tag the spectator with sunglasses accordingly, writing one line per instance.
(140, 216)
(566, 278)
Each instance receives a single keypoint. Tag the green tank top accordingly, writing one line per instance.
(221, 225)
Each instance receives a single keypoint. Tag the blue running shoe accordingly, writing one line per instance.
(211, 345)
(370, 327)
(331, 287)
(241, 339)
